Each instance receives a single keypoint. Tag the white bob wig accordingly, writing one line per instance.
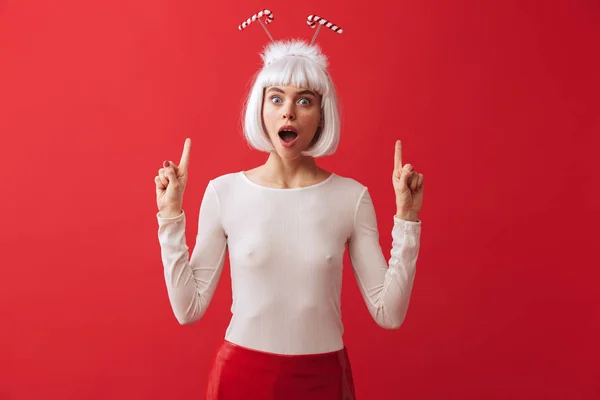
(294, 63)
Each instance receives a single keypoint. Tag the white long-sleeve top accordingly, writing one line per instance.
(286, 248)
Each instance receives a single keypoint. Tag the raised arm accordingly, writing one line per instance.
(386, 286)
(191, 284)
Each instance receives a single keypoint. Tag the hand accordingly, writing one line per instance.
(408, 186)
(170, 183)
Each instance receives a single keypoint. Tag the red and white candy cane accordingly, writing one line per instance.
(313, 20)
(264, 13)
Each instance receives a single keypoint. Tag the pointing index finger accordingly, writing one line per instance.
(185, 156)
(398, 156)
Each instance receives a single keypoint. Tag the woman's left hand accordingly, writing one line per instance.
(408, 186)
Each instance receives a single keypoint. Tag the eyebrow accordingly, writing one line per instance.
(276, 89)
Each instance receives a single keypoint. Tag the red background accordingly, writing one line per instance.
(496, 103)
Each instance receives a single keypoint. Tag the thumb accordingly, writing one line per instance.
(174, 166)
(171, 176)
(407, 172)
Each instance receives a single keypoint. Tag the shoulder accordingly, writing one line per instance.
(349, 185)
(226, 179)
(348, 192)
(223, 184)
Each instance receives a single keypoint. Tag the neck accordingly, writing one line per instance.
(289, 172)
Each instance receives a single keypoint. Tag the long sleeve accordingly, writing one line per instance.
(385, 287)
(191, 284)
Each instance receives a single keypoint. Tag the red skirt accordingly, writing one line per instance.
(242, 373)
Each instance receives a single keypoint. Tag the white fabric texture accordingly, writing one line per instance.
(286, 249)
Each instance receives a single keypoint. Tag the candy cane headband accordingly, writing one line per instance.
(312, 21)
(258, 16)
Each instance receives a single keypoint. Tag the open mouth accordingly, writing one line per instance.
(288, 134)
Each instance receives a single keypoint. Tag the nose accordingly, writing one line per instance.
(289, 113)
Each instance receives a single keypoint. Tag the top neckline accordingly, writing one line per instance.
(329, 178)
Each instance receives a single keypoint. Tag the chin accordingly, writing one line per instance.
(289, 154)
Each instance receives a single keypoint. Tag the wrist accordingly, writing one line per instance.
(407, 216)
(170, 213)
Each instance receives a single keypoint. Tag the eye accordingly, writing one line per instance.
(304, 101)
(275, 99)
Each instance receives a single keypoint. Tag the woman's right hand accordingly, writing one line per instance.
(170, 184)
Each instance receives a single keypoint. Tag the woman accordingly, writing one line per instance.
(286, 224)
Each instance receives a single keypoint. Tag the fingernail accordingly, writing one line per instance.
(165, 164)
